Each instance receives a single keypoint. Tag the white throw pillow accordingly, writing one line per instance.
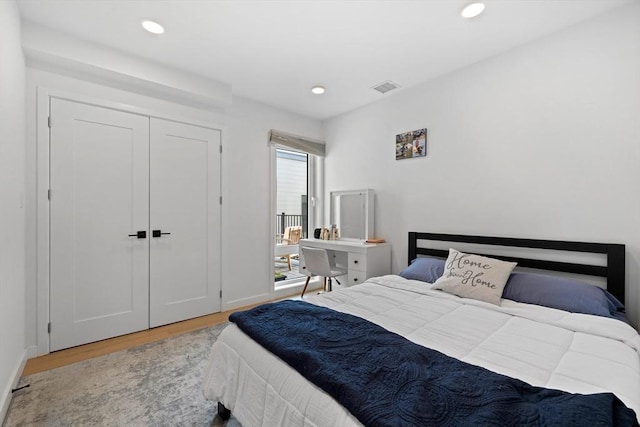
(474, 276)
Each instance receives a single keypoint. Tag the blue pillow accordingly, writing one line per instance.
(424, 269)
(561, 293)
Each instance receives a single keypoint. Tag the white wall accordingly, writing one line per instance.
(12, 213)
(54, 51)
(541, 142)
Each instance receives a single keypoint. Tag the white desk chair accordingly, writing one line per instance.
(317, 262)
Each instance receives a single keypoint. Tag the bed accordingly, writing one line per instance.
(559, 352)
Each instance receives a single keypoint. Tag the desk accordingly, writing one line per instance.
(361, 260)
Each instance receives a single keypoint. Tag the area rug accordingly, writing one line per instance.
(155, 384)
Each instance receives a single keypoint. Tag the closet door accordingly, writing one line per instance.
(99, 179)
(185, 222)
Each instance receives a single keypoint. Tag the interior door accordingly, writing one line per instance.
(185, 221)
(99, 178)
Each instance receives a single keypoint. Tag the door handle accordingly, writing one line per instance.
(139, 234)
(158, 233)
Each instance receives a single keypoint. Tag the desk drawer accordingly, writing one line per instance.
(357, 261)
(356, 277)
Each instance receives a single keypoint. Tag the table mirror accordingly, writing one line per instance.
(351, 212)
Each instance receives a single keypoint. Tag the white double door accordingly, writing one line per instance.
(134, 222)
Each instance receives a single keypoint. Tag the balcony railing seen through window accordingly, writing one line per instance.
(284, 220)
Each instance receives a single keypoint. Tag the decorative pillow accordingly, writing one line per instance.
(474, 276)
(562, 293)
(424, 269)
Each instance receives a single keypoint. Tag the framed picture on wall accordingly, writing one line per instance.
(411, 144)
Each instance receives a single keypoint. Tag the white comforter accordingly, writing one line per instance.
(544, 347)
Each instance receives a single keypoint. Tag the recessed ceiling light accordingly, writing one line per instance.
(152, 27)
(318, 90)
(472, 10)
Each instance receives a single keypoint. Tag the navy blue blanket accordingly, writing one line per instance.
(384, 379)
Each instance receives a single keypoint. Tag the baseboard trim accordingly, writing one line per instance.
(6, 394)
(32, 351)
(233, 304)
(283, 292)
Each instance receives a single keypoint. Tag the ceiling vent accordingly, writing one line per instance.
(386, 86)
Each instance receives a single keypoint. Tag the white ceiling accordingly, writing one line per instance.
(274, 51)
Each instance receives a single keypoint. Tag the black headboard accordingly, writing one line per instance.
(614, 271)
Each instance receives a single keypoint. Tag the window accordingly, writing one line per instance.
(292, 213)
(295, 174)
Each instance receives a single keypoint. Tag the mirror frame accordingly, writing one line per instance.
(368, 212)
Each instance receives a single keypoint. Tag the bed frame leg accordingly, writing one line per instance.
(223, 412)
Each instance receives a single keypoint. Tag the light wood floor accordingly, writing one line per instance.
(89, 351)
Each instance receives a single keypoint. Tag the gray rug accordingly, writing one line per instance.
(156, 384)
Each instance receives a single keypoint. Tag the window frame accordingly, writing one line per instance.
(315, 212)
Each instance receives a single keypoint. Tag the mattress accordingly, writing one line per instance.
(544, 347)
